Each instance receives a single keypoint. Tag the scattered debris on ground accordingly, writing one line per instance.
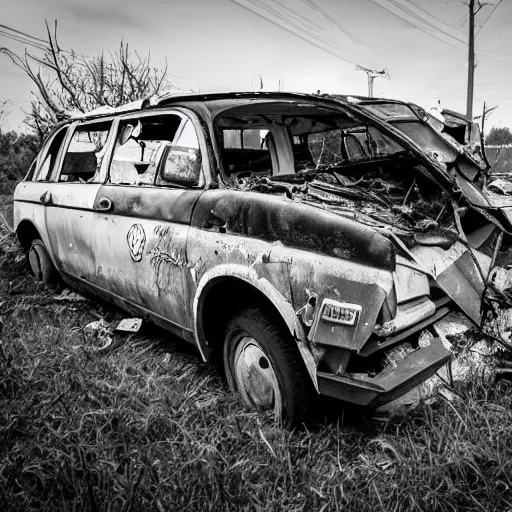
(70, 296)
(129, 325)
(101, 332)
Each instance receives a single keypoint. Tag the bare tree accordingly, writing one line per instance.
(5, 109)
(67, 81)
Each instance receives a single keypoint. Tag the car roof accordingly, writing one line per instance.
(218, 101)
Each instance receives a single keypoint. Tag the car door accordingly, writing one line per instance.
(155, 178)
(31, 194)
(69, 199)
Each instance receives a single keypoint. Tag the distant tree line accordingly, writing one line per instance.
(17, 150)
(498, 136)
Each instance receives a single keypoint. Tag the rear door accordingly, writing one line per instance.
(69, 200)
(143, 214)
(31, 194)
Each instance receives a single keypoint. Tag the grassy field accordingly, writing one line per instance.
(143, 425)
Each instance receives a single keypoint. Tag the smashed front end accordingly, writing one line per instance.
(447, 260)
(450, 247)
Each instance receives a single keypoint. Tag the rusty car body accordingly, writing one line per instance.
(310, 240)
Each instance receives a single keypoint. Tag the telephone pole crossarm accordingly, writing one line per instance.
(372, 75)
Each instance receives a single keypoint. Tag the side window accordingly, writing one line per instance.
(245, 150)
(380, 144)
(187, 137)
(43, 172)
(252, 138)
(139, 147)
(325, 147)
(85, 153)
(365, 143)
(232, 139)
(182, 161)
(356, 144)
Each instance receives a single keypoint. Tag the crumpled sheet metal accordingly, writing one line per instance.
(498, 315)
(472, 355)
(376, 199)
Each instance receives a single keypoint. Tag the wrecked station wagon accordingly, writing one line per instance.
(308, 242)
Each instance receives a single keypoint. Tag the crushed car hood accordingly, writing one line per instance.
(463, 164)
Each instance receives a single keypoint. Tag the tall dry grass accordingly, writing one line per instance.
(143, 425)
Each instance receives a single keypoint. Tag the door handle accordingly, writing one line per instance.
(46, 197)
(104, 204)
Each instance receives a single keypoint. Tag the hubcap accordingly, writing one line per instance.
(255, 376)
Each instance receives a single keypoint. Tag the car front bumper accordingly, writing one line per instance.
(390, 383)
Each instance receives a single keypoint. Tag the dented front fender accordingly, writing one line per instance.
(260, 277)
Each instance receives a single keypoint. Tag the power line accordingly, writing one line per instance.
(331, 20)
(23, 33)
(291, 25)
(398, 8)
(461, 22)
(487, 19)
(338, 25)
(444, 28)
(21, 39)
(405, 13)
(427, 12)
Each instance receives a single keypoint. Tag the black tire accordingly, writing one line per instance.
(40, 263)
(279, 347)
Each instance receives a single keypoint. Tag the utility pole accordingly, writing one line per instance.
(372, 75)
(471, 48)
(471, 60)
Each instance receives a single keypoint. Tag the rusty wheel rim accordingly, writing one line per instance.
(255, 376)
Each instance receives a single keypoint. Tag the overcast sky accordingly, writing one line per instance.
(225, 45)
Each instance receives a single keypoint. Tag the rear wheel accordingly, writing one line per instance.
(263, 365)
(41, 264)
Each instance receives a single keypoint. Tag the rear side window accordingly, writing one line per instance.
(356, 145)
(251, 138)
(232, 139)
(82, 162)
(49, 156)
(246, 150)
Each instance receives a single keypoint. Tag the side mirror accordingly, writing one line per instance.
(126, 134)
(182, 166)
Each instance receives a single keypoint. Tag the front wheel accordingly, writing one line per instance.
(263, 365)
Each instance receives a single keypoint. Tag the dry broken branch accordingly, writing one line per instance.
(67, 81)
